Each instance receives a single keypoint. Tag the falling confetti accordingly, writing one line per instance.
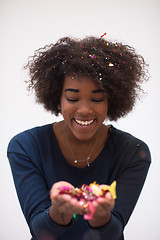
(103, 35)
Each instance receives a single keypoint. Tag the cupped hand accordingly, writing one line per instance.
(99, 211)
(63, 205)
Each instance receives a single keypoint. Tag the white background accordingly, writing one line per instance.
(27, 25)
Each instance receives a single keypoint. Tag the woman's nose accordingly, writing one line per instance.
(85, 108)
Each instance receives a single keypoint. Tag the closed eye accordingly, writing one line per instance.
(93, 100)
(71, 100)
(98, 100)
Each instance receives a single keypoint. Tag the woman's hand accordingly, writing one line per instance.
(102, 210)
(63, 205)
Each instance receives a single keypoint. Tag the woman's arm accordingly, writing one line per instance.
(130, 180)
(32, 189)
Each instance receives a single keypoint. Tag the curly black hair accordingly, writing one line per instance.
(113, 66)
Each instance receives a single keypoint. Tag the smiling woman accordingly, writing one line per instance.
(86, 81)
(84, 108)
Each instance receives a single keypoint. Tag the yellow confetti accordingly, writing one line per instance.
(111, 65)
(112, 189)
(97, 191)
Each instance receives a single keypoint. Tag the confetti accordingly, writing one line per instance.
(75, 216)
(111, 65)
(87, 194)
(103, 35)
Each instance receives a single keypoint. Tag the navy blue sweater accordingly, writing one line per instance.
(37, 163)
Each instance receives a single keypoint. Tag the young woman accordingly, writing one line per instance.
(86, 81)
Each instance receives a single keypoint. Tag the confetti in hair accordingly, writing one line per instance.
(111, 65)
(47, 71)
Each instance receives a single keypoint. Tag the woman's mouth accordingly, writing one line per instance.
(84, 123)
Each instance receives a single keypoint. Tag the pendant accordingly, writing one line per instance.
(88, 164)
(83, 160)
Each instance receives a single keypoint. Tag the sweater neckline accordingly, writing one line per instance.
(92, 165)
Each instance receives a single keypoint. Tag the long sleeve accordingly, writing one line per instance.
(129, 167)
(130, 181)
(132, 160)
(31, 187)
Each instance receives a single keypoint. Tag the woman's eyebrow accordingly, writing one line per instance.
(71, 90)
(98, 91)
(77, 90)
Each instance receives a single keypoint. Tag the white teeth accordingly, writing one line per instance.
(84, 123)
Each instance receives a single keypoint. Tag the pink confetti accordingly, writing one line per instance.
(90, 211)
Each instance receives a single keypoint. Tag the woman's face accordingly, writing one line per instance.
(84, 107)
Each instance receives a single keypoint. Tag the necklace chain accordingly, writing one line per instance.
(81, 160)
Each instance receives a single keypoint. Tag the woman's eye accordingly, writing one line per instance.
(72, 100)
(98, 100)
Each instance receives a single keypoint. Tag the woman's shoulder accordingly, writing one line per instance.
(124, 137)
(126, 142)
(34, 132)
(31, 137)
